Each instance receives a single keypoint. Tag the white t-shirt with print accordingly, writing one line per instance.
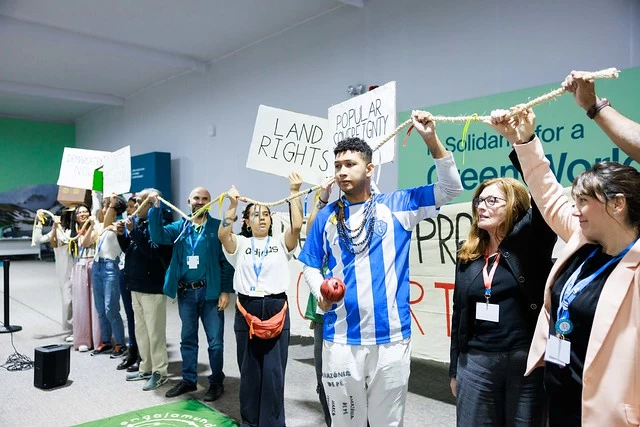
(272, 253)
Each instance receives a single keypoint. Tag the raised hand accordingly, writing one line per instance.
(327, 186)
(424, 124)
(295, 182)
(583, 89)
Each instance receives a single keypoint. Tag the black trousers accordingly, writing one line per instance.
(262, 364)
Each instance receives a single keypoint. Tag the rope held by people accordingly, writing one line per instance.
(609, 73)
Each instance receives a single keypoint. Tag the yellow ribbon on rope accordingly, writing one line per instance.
(465, 130)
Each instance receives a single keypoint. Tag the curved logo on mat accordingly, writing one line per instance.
(168, 420)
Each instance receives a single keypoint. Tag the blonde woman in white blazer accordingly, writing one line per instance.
(588, 332)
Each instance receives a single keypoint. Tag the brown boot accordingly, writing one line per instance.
(130, 360)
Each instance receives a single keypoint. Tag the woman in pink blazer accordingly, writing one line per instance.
(588, 332)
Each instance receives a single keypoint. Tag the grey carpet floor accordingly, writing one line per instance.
(97, 390)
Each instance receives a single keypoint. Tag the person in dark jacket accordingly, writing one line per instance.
(501, 271)
(144, 270)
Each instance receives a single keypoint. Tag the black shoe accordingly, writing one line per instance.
(118, 351)
(102, 349)
(214, 392)
(181, 388)
(130, 360)
(135, 367)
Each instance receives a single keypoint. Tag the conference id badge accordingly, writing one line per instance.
(558, 351)
(488, 312)
(193, 261)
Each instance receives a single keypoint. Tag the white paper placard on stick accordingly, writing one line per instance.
(77, 166)
(370, 116)
(285, 142)
(117, 171)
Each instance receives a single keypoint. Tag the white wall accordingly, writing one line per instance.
(438, 51)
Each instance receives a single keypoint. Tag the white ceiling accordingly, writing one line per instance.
(60, 60)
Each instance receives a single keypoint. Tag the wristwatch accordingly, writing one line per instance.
(591, 112)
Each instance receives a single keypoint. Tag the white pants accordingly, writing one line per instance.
(64, 263)
(150, 312)
(366, 383)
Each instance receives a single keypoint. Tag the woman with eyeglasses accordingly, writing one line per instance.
(499, 284)
(587, 336)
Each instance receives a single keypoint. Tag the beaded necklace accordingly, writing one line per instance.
(352, 238)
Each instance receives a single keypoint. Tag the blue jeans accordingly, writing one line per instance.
(105, 278)
(128, 309)
(493, 391)
(193, 305)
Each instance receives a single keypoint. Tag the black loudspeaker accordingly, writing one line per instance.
(51, 366)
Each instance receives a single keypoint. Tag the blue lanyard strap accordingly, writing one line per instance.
(258, 268)
(574, 287)
(195, 245)
(101, 240)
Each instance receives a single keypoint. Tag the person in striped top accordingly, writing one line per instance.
(364, 237)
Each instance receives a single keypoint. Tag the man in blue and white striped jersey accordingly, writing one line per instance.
(364, 238)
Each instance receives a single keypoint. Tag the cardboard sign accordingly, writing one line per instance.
(68, 196)
(370, 116)
(285, 142)
(117, 172)
(77, 167)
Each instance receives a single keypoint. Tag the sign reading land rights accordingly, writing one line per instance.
(77, 166)
(285, 142)
(370, 116)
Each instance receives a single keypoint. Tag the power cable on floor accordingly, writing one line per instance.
(17, 361)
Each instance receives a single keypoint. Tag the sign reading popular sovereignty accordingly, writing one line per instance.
(285, 142)
(370, 116)
(117, 171)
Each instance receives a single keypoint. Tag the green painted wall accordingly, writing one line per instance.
(31, 151)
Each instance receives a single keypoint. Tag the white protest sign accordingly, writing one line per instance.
(370, 116)
(117, 172)
(77, 166)
(285, 142)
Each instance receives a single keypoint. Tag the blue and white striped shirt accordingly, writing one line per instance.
(375, 309)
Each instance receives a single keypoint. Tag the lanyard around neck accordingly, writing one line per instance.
(487, 276)
(574, 287)
(257, 268)
(195, 245)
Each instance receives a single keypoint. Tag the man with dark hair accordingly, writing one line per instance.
(364, 239)
(201, 278)
(144, 270)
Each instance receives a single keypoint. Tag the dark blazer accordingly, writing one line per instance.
(145, 262)
(527, 251)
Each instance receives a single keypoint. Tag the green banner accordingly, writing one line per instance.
(178, 414)
(572, 141)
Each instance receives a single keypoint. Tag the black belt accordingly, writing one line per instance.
(243, 297)
(193, 285)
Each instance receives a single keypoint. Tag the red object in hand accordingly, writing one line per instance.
(332, 289)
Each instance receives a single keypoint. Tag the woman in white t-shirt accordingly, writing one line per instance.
(261, 280)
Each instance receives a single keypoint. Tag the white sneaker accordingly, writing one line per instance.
(83, 348)
(69, 338)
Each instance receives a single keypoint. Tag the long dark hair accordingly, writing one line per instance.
(74, 247)
(246, 230)
(604, 180)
